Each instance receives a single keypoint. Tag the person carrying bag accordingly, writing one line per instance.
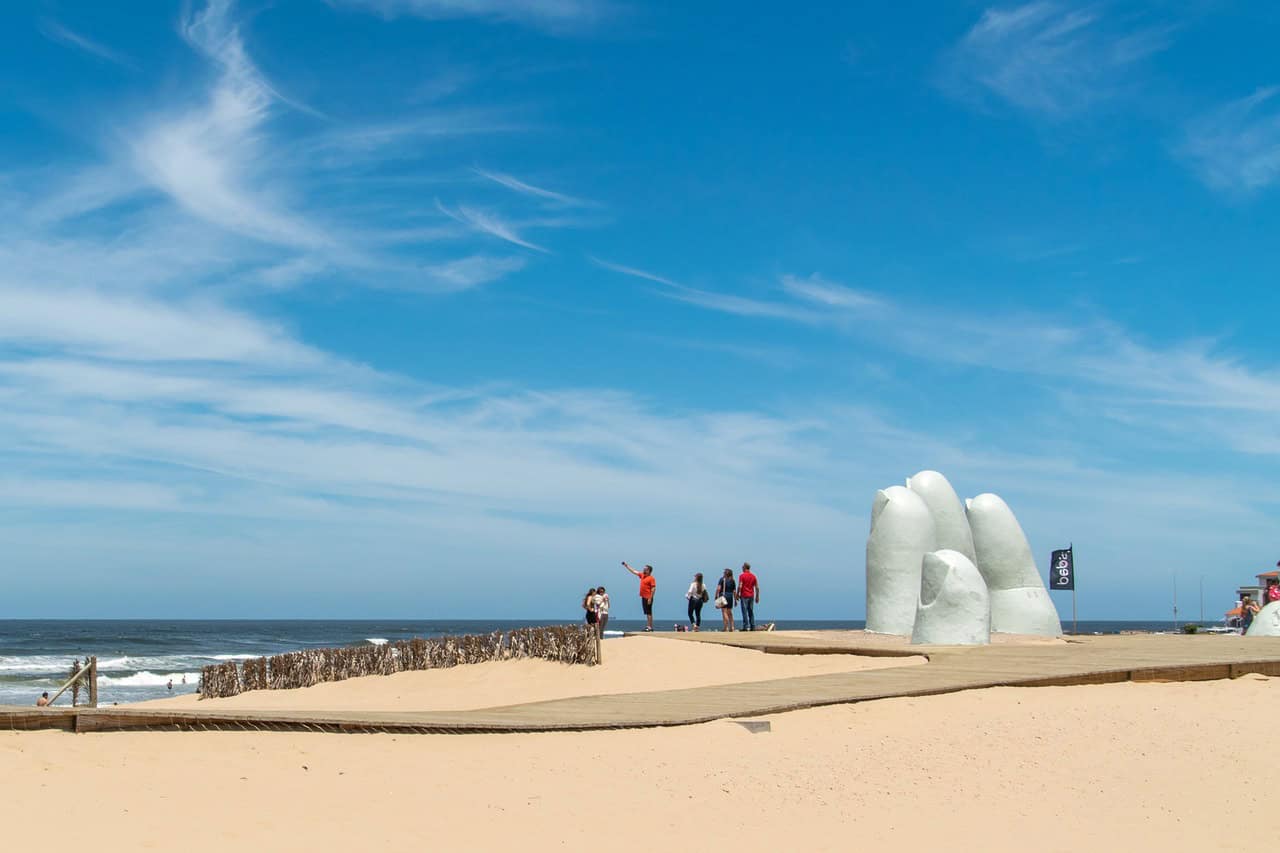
(724, 599)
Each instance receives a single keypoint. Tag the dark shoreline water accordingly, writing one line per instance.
(138, 657)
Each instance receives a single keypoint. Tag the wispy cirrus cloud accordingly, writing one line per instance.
(1236, 147)
(1049, 59)
(517, 185)
(208, 158)
(61, 34)
(1191, 391)
(218, 154)
(489, 223)
(88, 321)
(816, 300)
(544, 14)
(465, 273)
(820, 291)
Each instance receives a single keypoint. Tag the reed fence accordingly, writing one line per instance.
(570, 644)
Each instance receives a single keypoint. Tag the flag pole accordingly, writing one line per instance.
(1075, 628)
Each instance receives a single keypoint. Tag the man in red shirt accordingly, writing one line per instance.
(648, 586)
(748, 596)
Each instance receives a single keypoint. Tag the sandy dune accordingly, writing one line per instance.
(632, 664)
(1116, 767)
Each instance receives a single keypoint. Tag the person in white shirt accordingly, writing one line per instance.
(697, 596)
(602, 610)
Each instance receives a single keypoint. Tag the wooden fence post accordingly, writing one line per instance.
(93, 681)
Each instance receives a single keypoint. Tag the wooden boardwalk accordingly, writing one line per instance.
(1083, 660)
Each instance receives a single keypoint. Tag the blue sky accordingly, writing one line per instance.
(444, 307)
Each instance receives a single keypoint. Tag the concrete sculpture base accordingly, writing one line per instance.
(1020, 603)
(902, 532)
(1267, 622)
(954, 607)
(948, 513)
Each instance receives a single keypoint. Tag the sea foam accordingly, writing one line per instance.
(150, 679)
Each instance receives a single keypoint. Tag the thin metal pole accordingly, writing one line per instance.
(1075, 628)
(1175, 601)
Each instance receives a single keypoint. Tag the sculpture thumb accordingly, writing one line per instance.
(954, 607)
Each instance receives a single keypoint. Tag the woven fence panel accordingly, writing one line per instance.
(568, 644)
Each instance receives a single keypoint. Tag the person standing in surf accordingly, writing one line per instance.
(648, 586)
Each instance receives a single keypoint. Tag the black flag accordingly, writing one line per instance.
(1062, 570)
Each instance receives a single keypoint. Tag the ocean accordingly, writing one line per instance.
(137, 659)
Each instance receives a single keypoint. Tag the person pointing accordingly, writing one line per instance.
(648, 586)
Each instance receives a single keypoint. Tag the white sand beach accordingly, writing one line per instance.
(1142, 766)
(1115, 767)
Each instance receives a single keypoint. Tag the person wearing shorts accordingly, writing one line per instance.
(648, 586)
(724, 599)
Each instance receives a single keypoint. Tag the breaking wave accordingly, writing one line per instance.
(150, 679)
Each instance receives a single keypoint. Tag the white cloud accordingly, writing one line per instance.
(815, 300)
(488, 223)
(520, 186)
(82, 493)
(727, 303)
(215, 155)
(118, 327)
(473, 271)
(1188, 390)
(55, 31)
(207, 158)
(1047, 58)
(818, 290)
(1236, 148)
(547, 14)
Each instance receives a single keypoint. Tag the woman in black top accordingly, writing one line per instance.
(724, 598)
